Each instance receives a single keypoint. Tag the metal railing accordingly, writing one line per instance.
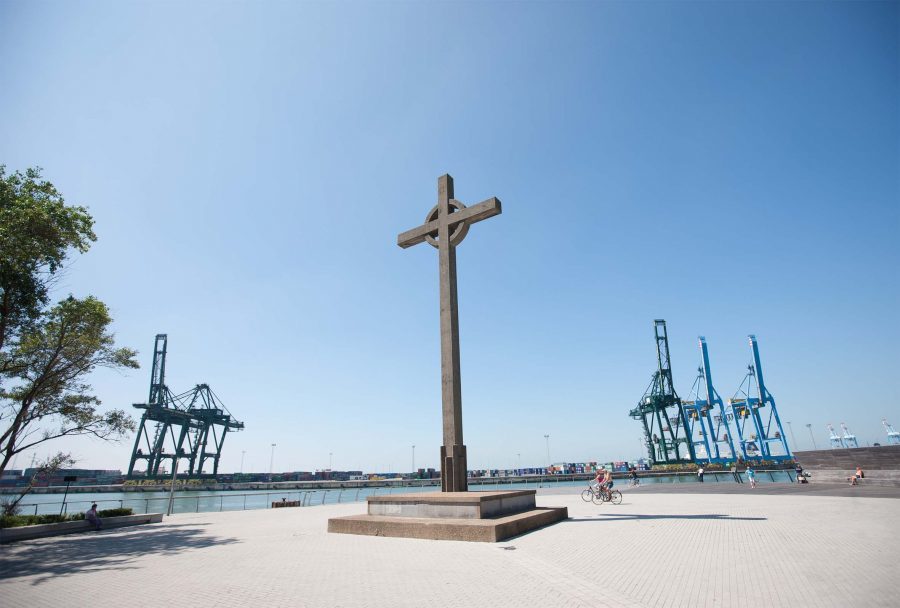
(229, 501)
(221, 501)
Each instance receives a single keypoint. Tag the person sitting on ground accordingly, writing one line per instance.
(859, 473)
(92, 517)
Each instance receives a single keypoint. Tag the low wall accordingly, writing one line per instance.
(8, 535)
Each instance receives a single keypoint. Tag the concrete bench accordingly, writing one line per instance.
(8, 535)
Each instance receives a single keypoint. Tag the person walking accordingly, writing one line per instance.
(700, 474)
(751, 475)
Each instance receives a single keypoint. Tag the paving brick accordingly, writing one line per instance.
(655, 550)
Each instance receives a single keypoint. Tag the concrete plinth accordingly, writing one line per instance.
(453, 505)
(467, 516)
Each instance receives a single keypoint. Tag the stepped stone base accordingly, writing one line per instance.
(465, 516)
(880, 464)
(885, 457)
(874, 477)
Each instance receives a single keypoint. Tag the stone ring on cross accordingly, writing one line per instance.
(459, 231)
(449, 216)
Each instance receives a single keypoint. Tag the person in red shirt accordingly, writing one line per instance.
(604, 480)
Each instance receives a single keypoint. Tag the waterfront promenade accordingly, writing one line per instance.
(659, 548)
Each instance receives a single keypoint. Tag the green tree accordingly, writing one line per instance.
(46, 352)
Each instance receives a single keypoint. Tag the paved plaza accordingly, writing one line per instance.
(675, 549)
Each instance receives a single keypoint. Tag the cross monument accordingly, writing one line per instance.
(446, 225)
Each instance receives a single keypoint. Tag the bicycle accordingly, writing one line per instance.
(599, 496)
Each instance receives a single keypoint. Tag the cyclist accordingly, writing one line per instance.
(598, 479)
(605, 481)
(635, 480)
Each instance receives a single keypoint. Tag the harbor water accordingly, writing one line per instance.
(237, 500)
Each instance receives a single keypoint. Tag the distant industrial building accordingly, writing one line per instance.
(83, 477)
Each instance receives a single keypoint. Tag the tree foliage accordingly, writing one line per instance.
(46, 352)
(37, 230)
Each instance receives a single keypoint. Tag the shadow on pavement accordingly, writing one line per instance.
(103, 551)
(625, 516)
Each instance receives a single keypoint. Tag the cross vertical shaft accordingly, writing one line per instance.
(451, 390)
(453, 453)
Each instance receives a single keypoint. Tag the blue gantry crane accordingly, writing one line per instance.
(834, 438)
(893, 436)
(707, 419)
(753, 403)
(848, 437)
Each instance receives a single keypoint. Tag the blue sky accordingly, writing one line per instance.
(730, 167)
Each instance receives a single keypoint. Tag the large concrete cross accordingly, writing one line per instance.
(445, 227)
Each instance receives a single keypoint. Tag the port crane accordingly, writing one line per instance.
(834, 438)
(661, 411)
(188, 426)
(760, 434)
(893, 436)
(707, 420)
(848, 437)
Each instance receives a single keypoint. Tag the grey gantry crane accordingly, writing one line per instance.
(188, 426)
(661, 411)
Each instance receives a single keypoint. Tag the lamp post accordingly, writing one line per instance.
(811, 436)
(68, 479)
(178, 454)
(271, 462)
(547, 437)
(330, 455)
(791, 429)
(519, 463)
(243, 452)
(172, 487)
(413, 459)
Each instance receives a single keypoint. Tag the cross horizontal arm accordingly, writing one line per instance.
(475, 213)
(416, 235)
